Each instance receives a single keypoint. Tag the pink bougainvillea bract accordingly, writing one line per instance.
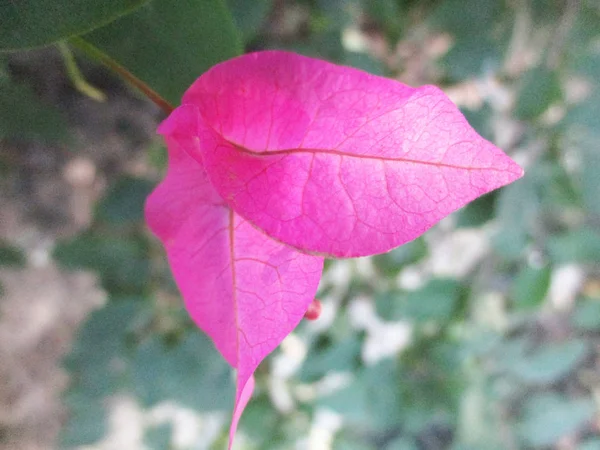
(277, 160)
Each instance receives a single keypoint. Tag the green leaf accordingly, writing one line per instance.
(24, 116)
(547, 418)
(390, 263)
(478, 212)
(11, 256)
(539, 89)
(124, 203)
(372, 400)
(87, 420)
(167, 44)
(34, 23)
(473, 25)
(262, 423)
(249, 16)
(189, 372)
(550, 363)
(592, 444)
(98, 367)
(581, 245)
(530, 287)
(158, 437)
(517, 209)
(121, 262)
(350, 442)
(590, 181)
(435, 301)
(97, 361)
(586, 316)
(401, 444)
(340, 357)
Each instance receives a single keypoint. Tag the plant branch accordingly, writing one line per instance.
(98, 55)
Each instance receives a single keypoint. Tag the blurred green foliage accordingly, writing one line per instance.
(496, 359)
(33, 23)
(24, 116)
(167, 44)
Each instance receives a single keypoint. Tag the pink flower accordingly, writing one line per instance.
(278, 160)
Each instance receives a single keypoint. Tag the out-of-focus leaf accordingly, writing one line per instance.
(590, 181)
(435, 301)
(169, 44)
(586, 316)
(583, 115)
(33, 23)
(544, 12)
(582, 245)
(478, 424)
(350, 443)
(478, 211)
(479, 120)
(11, 256)
(158, 437)
(121, 262)
(87, 420)
(401, 444)
(24, 116)
(98, 368)
(339, 357)
(97, 361)
(473, 25)
(124, 203)
(517, 209)
(591, 444)
(249, 16)
(388, 15)
(530, 287)
(189, 372)
(432, 383)
(364, 62)
(550, 363)
(372, 400)
(390, 263)
(548, 417)
(539, 89)
(262, 422)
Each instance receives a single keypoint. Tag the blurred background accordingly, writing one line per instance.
(482, 334)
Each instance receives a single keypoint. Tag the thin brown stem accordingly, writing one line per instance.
(98, 55)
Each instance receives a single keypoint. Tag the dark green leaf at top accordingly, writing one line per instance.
(34, 23)
(168, 44)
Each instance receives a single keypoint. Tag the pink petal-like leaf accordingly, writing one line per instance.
(245, 290)
(335, 161)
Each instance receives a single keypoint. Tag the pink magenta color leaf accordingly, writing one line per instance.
(244, 289)
(332, 160)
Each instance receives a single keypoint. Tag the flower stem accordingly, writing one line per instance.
(98, 55)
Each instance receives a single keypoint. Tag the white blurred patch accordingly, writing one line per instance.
(127, 423)
(411, 278)
(565, 283)
(330, 383)
(384, 339)
(490, 310)
(280, 395)
(456, 254)
(354, 40)
(326, 424)
(289, 359)
(125, 427)
(189, 429)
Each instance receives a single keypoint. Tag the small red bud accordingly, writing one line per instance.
(314, 310)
